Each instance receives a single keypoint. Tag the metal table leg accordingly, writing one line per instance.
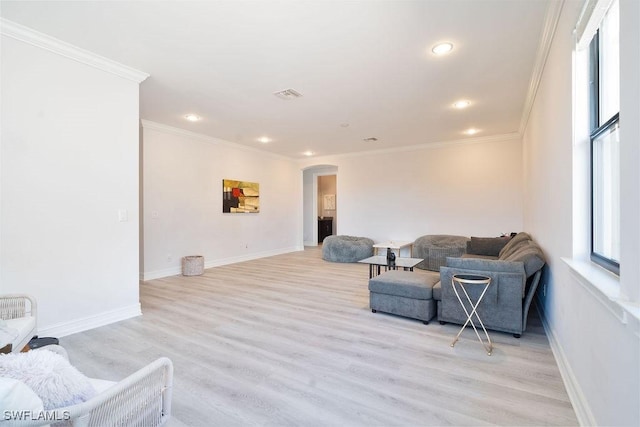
(468, 279)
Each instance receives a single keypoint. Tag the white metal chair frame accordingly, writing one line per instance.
(13, 306)
(142, 399)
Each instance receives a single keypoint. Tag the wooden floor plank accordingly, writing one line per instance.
(290, 340)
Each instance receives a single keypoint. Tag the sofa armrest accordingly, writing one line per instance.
(501, 307)
(502, 282)
(483, 264)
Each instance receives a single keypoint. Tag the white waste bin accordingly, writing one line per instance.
(192, 265)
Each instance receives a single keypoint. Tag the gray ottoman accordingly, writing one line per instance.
(404, 293)
(346, 248)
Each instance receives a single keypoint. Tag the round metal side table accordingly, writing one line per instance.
(463, 280)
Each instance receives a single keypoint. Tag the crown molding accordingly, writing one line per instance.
(426, 146)
(554, 9)
(148, 124)
(44, 41)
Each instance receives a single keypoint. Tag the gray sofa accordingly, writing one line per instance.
(515, 272)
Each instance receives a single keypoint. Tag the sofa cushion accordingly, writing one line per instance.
(530, 254)
(476, 256)
(513, 244)
(15, 331)
(7, 334)
(434, 249)
(490, 246)
(437, 291)
(406, 284)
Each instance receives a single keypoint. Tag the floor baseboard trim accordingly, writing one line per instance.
(159, 274)
(91, 322)
(576, 396)
(174, 271)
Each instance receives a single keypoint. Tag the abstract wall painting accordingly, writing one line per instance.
(240, 196)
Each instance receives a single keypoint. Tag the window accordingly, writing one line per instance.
(605, 141)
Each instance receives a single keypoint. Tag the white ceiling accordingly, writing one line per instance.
(367, 64)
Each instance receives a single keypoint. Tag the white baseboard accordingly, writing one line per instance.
(576, 396)
(159, 274)
(90, 322)
(176, 270)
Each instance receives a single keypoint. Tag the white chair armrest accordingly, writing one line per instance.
(17, 305)
(15, 308)
(143, 398)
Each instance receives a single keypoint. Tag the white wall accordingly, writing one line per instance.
(182, 214)
(471, 188)
(69, 152)
(596, 342)
(630, 149)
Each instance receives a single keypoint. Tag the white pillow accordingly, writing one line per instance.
(49, 375)
(16, 395)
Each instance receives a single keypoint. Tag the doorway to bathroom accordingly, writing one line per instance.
(326, 204)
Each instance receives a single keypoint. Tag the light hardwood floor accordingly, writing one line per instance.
(290, 340)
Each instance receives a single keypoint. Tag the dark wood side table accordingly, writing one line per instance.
(325, 228)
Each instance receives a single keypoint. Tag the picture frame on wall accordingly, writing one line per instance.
(240, 196)
(329, 202)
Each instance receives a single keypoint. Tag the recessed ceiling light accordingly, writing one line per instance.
(308, 153)
(471, 131)
(192, 117)
(442, 48)
(264, 139)
(463, 103)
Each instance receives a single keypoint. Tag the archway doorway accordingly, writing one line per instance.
(320, 194)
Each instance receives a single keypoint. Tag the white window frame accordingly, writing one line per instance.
(604, 153)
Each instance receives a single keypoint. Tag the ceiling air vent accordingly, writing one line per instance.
(288, 94)
(370, 139)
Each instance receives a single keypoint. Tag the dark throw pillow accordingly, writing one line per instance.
(490, 246)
